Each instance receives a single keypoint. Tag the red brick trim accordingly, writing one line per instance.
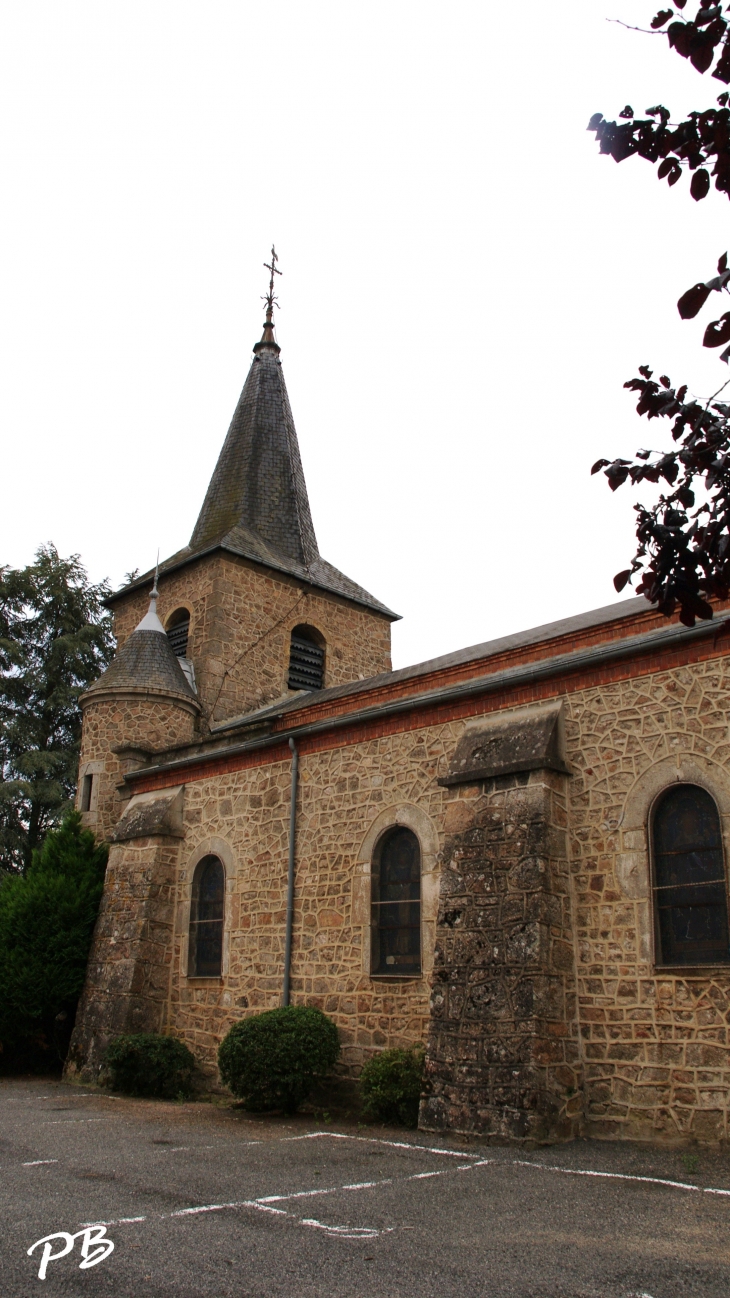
(438, 713)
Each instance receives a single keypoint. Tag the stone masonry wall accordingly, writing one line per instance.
(240, 627)
(503, 1052)
(653, 1042)
(344, 796)
(127, 985)
(140, 720)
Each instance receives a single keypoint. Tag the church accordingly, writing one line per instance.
(514, 854)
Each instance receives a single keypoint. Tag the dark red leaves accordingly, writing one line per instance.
(599, 464)
(692, 302)
(722, 69)
(617, 473)
(717, 332)
(682, 561)
(670, 168)
(700, 184)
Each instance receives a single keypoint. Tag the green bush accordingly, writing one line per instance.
(147, 1063)
(271, 1060)
(391, 1085)
(47, 918)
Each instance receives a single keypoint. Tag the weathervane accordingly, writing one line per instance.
(270, 299)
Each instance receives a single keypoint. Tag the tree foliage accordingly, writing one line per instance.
(683, 554)
(55, 639)
(47, 918)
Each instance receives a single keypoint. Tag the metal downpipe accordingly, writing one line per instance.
(290, 880)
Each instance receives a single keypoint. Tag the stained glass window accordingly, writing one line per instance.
(206, 919)
(396, 904)
(690, 887)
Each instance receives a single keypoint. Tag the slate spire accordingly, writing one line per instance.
(256, 505)
(258, 483)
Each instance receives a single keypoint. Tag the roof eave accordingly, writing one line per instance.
(143, 581)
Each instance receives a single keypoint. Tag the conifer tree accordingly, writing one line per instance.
(47, 918)
(55, 639)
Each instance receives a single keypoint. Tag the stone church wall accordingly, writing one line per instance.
(240, 627)
(652, 1043)
(345, 794)
(128, 977)
(503, 1050)
(151, 724)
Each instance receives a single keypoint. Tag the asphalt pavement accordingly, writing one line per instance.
(108, 1196)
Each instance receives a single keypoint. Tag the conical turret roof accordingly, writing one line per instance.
(146, 662)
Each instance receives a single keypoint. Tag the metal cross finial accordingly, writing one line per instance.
(270, 299)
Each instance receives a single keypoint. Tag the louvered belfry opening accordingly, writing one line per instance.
(177, 632)
(306, 660)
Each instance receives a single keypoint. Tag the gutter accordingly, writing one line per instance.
(290, 876)
(544, 669)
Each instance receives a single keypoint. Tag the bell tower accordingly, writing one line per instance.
(251, 579)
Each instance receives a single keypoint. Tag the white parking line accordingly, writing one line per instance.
(265, 1203)
(40, 1162)
(376, 1140)
(619, 1176)
(70, 1122)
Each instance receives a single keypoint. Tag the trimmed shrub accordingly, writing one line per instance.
(272, 1060)
(391, 1084)
(47, 918)
(149, 1064)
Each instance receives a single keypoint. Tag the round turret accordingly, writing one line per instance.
(142, 704)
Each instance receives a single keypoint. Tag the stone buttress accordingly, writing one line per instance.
(143, 704)
(503, 1052)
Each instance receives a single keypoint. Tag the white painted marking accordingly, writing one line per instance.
(208, 1207)
(298, 1194)
(344, 1232)
(376, 1140)
(40, 1162)
(424, 1176)
(70, 1122)
(616, 1176)
(335, 1189)
(121, 1221)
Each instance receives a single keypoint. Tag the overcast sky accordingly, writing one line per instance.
(466, 284)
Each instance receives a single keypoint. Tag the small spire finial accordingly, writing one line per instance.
(150, 621)
(154, 592)
(270, 299)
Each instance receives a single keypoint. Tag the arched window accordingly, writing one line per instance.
(206, 919)
(690, 887)
(396, 904)
(178, 626)
(306, 659)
